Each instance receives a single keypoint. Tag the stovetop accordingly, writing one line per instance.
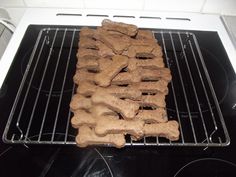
(56, 160)
(59, 160)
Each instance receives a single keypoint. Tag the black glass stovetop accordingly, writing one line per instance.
(59, 160)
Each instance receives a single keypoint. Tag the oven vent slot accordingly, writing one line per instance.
(97, 15)
(180, 19)
(66, 14)
(147, 17)
(123, 16)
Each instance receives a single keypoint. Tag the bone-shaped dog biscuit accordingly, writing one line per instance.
(88, 43)
(127, 77)
(87, 53)
(156, 74)
(89, 64)
(158, 115)
(126, 109)
(145, 35)
(80, 102)
(128, 29)
(101, 110)
(104, 77)
(88, 88)
(169, 130)
(83, 75)
(151, 87)
(87, 136)
(117, 126)
(87, 32)
(154, 101)
(154, 63)
(81, 117)
(103, 50)
(117, 44)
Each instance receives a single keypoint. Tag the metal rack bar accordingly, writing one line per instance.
(40, 86)
(184, 91)
(172, 88)
(194, 88)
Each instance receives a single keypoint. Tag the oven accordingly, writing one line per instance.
(36, 88)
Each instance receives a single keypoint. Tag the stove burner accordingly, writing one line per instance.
(208, 167)
(54, 162)
(56, 89)
(220, 83)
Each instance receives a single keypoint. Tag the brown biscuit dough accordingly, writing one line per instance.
(90, 64)
(87, 136)
(103, 50)
(127, 77)
(141, 42)
(145, 35)
(169, 130)
(128, 29)
(88, 88)
(81, 117)
(87, 53)
(154, 63)
(118, 126)
(87, 32)
(83, 75)
(88, 43)
(101, 110)
(104, 77)
(154, 101)
(117, 44)
(145, 51)
(116, 104)
(156, 74)
(158, 115)
(151, 87)
(80, 102)
(104, 63)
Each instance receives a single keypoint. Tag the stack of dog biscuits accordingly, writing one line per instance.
(122, 83)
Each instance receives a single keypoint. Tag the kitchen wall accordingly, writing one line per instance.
(16, 8)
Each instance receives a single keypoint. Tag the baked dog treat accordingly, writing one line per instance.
(145, 51)
(88, 43)
(128, 29)
(105, 76)
(156, 74)
(84, 63)
(116, 104)
(101, 110)
(154, 101)
(154, 63)
(118, 126)
(80, 102)
(81, 117)
(86, 136)
(103, 50)
(157, 115)
(151, 87)
(87, 32)
(87, 53)
(117, 44)
(83, 75)
(169, 130)
(145, 35)
(127, 77)
(87, 88)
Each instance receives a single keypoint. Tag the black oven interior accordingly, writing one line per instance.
(58, 160)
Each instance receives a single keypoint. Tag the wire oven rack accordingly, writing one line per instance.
(41, 114)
